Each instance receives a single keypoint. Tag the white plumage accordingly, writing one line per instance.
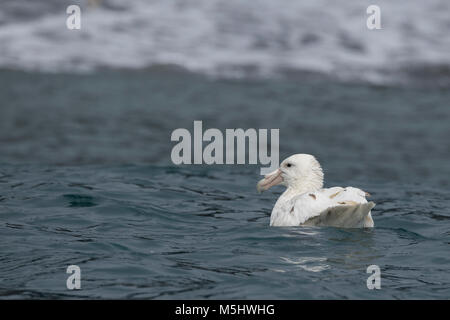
(306, 203)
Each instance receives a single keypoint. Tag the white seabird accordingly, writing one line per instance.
(306, 203)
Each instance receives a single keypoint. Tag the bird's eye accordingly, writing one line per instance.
(289, 165)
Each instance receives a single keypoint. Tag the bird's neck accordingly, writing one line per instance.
(290, 192)
(293, 191)
(306, 185)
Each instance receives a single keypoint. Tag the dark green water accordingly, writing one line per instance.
(86, 179)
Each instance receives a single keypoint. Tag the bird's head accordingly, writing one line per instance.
(301, 172)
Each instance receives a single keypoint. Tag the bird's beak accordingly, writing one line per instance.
(270, 180)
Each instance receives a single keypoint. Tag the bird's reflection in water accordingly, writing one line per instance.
(323, 248)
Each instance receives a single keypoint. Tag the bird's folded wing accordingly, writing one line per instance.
(344, 216)
(334, 205)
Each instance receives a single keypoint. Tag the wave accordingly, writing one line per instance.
(233, 38)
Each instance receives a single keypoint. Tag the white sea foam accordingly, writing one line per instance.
(236, 38)
(305, 263)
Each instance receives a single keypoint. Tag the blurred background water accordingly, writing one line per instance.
(86, 176)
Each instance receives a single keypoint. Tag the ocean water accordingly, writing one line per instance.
(140, 232)
(86, 176)
(233, 38)
(86, 179)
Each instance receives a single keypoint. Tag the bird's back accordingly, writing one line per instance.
(338, 207)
